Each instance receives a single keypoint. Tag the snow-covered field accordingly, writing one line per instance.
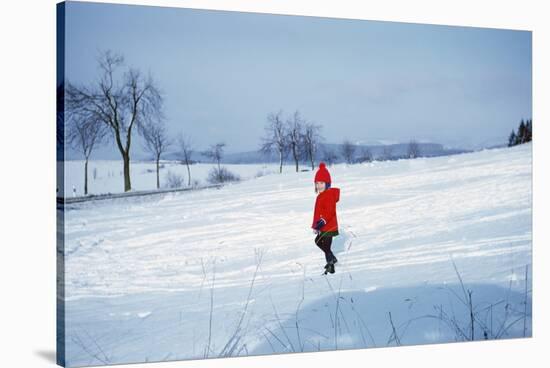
(235, 271)
(106, 176)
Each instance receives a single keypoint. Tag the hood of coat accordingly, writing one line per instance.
(332, 192)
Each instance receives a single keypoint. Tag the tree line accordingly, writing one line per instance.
(302, 140)
(292, 136)
(123, 101)
(524, 133)
(111, 109)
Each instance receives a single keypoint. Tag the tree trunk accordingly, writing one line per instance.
(125, 159)
(280, 162)
(188, 173)
(86, 177)
(295, 157)
(127, 183)
(158, 180)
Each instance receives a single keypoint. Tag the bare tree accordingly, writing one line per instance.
(60, 135)
(122, 102)
(413, 149)
(60, 118)
(311, 140)
(156, 142)
(295, 135)
(215, 153)
(275, 138)
(83, 135)
(366, 155)
(329, 156)
(185, 153)
(387, 152)
(348, 150)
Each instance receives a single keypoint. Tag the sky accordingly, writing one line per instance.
(221, 73)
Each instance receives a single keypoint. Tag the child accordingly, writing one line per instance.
(325, 223)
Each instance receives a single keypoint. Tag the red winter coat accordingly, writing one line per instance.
(325, 207)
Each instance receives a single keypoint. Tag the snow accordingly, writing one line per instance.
(143, 274)
(106, 176)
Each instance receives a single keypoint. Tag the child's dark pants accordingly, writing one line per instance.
(324, 242)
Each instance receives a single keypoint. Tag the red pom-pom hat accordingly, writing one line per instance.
(322, 174)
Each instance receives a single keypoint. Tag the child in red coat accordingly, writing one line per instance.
(325, 222)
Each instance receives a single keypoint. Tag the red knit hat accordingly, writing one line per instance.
(322, 174)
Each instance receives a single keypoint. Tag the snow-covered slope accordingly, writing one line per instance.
(235, 271)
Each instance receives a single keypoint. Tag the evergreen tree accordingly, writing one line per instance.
(524, 134)
(512, 139)
(521, 133)
(529, 131)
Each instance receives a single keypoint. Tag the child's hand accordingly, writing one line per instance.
(320, 224)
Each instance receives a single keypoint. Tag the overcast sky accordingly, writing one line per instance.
(222, 73)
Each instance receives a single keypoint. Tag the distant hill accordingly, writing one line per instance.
(397, 150)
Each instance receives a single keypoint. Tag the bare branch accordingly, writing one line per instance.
(348, 150)
(295, 126)
(185, 153)
(275, 139)
(156, 142)
(311, 140)
(215, 152)
(121, 102)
